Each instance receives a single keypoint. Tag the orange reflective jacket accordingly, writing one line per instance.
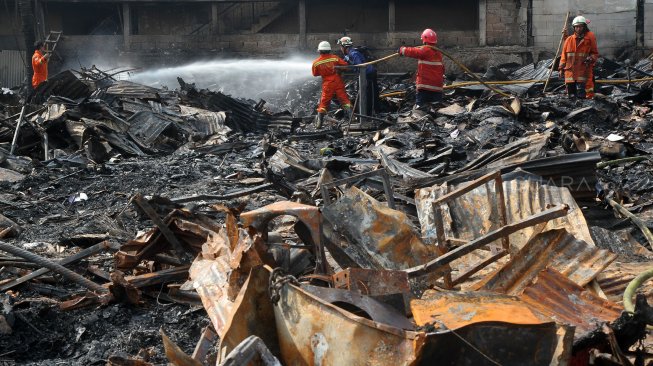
(324, 66)
(40, 67)
(574, 55)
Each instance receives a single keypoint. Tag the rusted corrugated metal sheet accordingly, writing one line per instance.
(556, 249)
(557, 297)
(12, 68)
(616, 277)
(475, 213)
(458, 309)
(382, 235)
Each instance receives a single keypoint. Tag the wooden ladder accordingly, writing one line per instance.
(51, 42)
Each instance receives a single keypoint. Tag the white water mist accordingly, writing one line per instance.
(247, 78)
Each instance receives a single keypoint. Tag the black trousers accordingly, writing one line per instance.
(424, 97)
(576, 90)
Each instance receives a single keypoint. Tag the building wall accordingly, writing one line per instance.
(503, 24)
(648, 23)
(613, 22)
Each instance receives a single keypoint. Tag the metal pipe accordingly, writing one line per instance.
(13, 142)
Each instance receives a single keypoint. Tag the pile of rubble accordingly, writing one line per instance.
(144, 224)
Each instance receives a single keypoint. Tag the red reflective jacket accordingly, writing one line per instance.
(430, 69)
(40, 67)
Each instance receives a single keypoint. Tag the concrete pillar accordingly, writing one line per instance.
(126, 25)
(302, 24)
(482, 22)
(639, 24)
(391, 16)
(214, 18)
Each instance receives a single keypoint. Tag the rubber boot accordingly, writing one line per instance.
(319, 119)
(348, 113)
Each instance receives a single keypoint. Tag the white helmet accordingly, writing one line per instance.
(324, 46)
(345, 41)
(579, 20)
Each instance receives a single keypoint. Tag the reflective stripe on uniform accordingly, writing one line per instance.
(577, 54)
(434, 63)
(429, 87)
(578, 79)
(326, 60)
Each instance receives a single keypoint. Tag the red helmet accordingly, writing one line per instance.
(429, 36)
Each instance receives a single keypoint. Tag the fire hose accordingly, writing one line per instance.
(632, 288)
(460, 64)
(517, 82)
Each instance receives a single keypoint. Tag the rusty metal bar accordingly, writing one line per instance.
(382, 173)
(438, 263)
(462, 190)
(479, 266)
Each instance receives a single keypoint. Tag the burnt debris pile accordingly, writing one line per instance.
(142, 225)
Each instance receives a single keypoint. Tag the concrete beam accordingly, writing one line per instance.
(302, 24)
(482, 23)
(391, 16)
(214, 18)
(126, 25)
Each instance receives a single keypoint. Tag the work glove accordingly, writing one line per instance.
(346, 58)
(399, 51)
(588, 60)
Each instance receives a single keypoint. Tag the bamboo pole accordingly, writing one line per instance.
(562, 38)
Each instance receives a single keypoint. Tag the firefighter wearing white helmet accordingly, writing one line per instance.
(332, 84)
(579, 55)
(579, 20)
(324, 46)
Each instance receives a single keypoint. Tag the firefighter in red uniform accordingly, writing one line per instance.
(430, 69)
(579, 54)
(324, 66)
(39, 64)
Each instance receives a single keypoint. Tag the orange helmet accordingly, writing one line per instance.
(429, 36)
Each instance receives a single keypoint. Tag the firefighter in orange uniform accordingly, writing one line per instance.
(430, 69)
(579, 54)
(39, 64)
(324, 66)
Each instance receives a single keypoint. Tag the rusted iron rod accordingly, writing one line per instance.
(550, 214)
(54, 267)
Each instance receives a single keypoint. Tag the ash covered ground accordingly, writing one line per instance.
(109, 163)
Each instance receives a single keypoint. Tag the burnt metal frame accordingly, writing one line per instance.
(442, 241)
(387, 185)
